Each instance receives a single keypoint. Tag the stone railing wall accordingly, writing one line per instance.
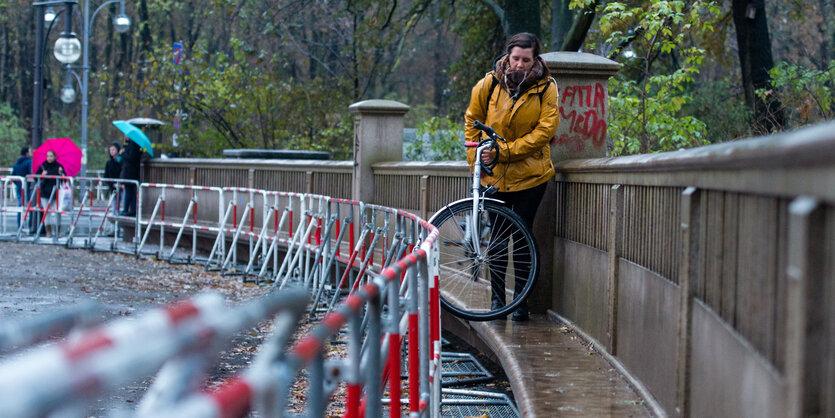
(710, 272)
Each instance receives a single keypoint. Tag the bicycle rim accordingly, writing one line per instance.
(469, 284)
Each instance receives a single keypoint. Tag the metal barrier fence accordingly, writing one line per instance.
(380, 262)
(88, 214)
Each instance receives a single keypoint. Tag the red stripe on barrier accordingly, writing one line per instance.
(233, 399)
(309, 217)
(435, 320)
(291, 224)
(354, 302)
(385, 245)
(318, 231)
(370, 259)
(351, 234)
(334, 321)
(181, 310)
(353, 402)
(414, 364)
(307, 348)
(337, 234)
(90, 343)
(394, 375)
(371, 290)
(390, 273)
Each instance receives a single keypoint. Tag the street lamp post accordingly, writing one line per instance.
(67, 50)
(40, 47)
(121, 23)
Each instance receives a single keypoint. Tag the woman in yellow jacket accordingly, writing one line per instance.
(519, 101)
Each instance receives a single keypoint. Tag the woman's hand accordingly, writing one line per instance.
(488, 155)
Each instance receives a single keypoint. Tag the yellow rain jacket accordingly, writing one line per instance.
(527, 123)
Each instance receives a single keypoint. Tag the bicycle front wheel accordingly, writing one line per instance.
(490, 278)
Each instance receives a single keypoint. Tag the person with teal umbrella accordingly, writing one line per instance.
(135, 144)
(136, 135)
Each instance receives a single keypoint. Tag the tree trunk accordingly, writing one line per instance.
(755, 61)
(523, 16)
(144, 24)
(825, 52)
(561, 18)
(577, 35)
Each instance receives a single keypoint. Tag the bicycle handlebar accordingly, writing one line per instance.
(488, 130)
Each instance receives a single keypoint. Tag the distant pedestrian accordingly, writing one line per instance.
(113, 170)
(22, 167)
(131, 159)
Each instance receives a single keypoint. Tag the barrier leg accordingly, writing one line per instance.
(259, 244)
(232, 255)
(218, 245)
(180, 232)
(150, 224)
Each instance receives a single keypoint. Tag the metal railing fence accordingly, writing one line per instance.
(369, 268)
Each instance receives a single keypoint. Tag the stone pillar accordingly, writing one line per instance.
(378, 137)
(583, 85)
(583, 81)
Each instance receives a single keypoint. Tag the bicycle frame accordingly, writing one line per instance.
(477, 199)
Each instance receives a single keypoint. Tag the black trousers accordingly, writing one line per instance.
(129, 197)
(525, 204)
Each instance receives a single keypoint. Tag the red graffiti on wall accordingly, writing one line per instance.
(583, 108)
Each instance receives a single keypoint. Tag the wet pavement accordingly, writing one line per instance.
(552, 370)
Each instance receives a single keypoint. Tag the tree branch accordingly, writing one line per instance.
(577, 35)
(500, 14)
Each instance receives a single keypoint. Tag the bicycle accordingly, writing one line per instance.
(485, 248)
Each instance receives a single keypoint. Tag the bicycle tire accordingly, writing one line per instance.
(466, 289)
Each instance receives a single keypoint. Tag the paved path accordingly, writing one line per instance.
(552, 370)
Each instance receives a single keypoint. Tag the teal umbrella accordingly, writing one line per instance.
(136, 135)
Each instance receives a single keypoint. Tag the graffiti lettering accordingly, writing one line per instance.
(583, 109)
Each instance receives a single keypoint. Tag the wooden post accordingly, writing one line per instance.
(615, 249)
(424, 197)
(690, 220)
(806, 310)
(308, 182)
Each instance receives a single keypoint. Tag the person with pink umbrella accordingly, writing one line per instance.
(50, 167)
(56, 157)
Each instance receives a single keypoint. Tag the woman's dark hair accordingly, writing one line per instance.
(24, 150)
(116, 144)
(524, 40)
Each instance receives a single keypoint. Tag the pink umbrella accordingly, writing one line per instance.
(66, 153)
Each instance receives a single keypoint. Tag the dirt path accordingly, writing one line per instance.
(35, 279)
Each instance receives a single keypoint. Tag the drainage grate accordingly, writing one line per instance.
(462, 368)
(474, 403)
